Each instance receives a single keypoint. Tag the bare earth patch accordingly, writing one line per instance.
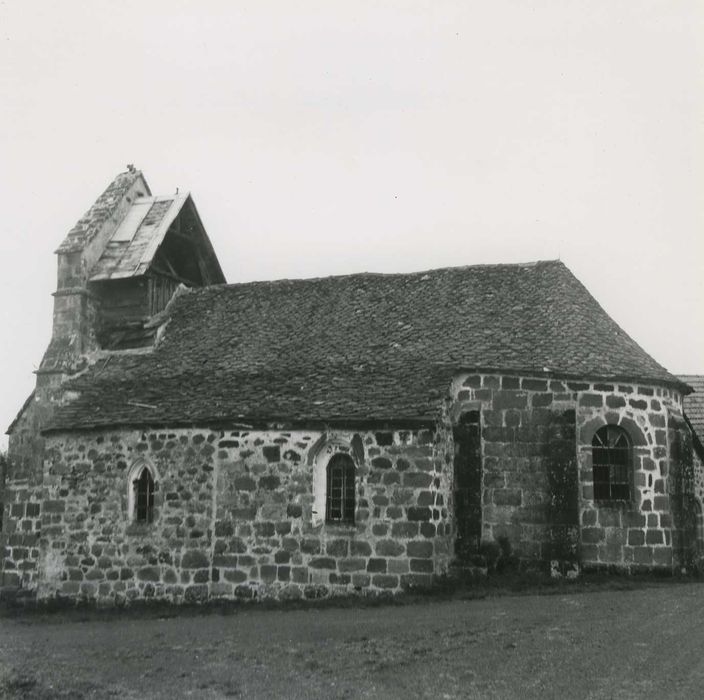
(624, 644)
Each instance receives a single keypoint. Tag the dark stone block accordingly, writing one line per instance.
(245, 483)
(32, 510)
(645, 391)
(195, 559)
(427, 529)
(654, 537)
(293, 510)
(510, 383)
(426, 498)
(322, 563)
(270, 483)
(54, 506)
(385, 581)
(415, 513)
(267, 572)
(389, 548)
(228, 443)
(264, 529)
(361, 549)
(405, 530)
(196, 594)
(637, 403)
(542, 400)
(310, 546)
(417, 480)
(474, 381)
(292, 456)
(510, 399)
(420, 550)
(636, 537)
(535, 384)
(224, 528)
(424, 566)
(615, 401)
(201, 576)
(272, 453)
(337, 548)
(592, 535)
(385, 438)
(283, 573)
(244, 592)
(356, 564)
(593, 400)
(381, 463)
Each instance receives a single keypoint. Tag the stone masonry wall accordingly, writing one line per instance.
(234, 516)
(537, 480)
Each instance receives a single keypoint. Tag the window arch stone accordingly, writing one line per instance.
(324, 453)
(142, 482)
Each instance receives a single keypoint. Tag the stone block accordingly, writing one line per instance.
(420, 549)
(195, 559)
(272, 453)
(245, 483)
(592, 535)
(361, 580)
(377, 565)
(591, 400)
(322, 563)
(389, 548)
(398, 566)
(405, 530)
(270, 482)
(636, 538)
(654, 537)
(54, 506)
(234, 575)
(264, 529)
(535, 384)
(267, 573)
(416, 513)
(337, 548)
(355, 564)
(510, 399)
(362, 549)
(385, 581)
(422, 566)
(381, 463)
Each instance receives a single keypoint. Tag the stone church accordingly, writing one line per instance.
(190, 439)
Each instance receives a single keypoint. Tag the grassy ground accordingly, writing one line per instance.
(627, 638)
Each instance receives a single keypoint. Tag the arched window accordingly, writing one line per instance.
(340, 489)
(611, 460)
(143, 496)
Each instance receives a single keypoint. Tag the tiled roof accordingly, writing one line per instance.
(694, 403)
(103, 208)
(132, 247)
(365, 346)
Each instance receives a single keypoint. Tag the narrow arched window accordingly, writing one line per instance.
(340, 490)
(611, 460)
(143, 489)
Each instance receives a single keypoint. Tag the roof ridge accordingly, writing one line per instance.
(388, 275)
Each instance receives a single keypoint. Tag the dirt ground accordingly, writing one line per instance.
(622, 644)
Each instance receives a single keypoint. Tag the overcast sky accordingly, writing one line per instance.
(321, 138)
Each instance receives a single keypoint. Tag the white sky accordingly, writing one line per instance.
(332, 137)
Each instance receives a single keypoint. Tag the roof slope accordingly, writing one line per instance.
(103, 208)
(694, 403)
(361, 346)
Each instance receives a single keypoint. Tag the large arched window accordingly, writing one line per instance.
(141, 494)
(340, 489)
(611, 460)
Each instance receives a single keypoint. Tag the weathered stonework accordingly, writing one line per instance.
(537, 470)
(234, 517)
